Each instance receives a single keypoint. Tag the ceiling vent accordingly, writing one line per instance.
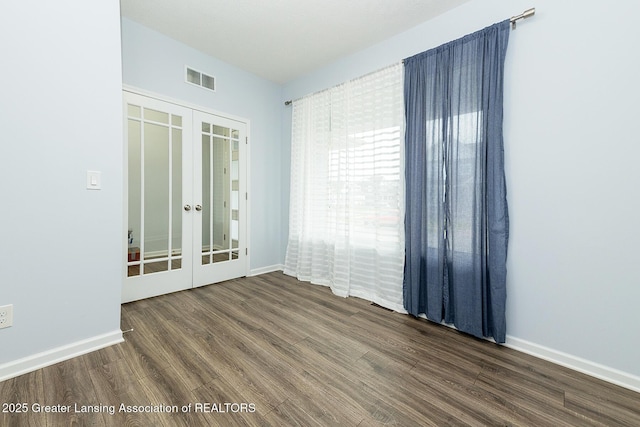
(200, 79)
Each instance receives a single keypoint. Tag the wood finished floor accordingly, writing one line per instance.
(305, 357)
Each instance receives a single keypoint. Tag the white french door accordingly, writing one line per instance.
(221, 211)
(186, 207)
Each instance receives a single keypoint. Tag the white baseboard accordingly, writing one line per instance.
(51, 357)
(605, 373)
(264, 270)
(588, 367)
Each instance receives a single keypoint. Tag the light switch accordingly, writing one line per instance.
(93, 180)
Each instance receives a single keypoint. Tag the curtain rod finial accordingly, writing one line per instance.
(526, 14)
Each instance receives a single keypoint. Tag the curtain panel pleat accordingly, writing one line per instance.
(456, 219)
(346, 212)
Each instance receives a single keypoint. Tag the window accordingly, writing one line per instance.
(346, 224)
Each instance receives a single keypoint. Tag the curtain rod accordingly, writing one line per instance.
(289, 102)
(526, 14)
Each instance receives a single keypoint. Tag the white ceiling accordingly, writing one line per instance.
(282, 39)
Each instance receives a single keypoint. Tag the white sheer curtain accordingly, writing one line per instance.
(346, 218)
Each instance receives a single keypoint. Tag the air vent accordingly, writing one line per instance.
(200, 79)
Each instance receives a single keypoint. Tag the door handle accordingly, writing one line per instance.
(187, 208)
(198, 208)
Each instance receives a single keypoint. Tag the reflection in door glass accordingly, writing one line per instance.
(156, 116)
(220, 193)
(206, 197)
(133, 111)
(176, 192)
(134, 195)
(220, 130)
(154, 191)
(235, 193)
(155, 267)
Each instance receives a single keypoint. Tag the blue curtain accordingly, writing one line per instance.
(456, 221)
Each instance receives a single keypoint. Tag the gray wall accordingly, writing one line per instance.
(572, 175)
(61, 245)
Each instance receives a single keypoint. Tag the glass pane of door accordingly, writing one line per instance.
(235, 193)
(156, 197)
(207, 179)
(156, 185)
(218, 196)
(135, 193)
(220, 182)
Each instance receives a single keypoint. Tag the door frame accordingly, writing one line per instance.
(194, 107)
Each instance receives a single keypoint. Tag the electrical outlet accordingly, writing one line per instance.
(6, 316)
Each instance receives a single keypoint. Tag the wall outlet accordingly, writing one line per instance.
(6, 316)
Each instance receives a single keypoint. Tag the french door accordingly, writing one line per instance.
(220, 182)
(186, 198)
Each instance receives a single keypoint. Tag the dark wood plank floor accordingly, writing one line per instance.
(269, 350)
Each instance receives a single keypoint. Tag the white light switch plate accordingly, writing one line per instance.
(93, 180)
